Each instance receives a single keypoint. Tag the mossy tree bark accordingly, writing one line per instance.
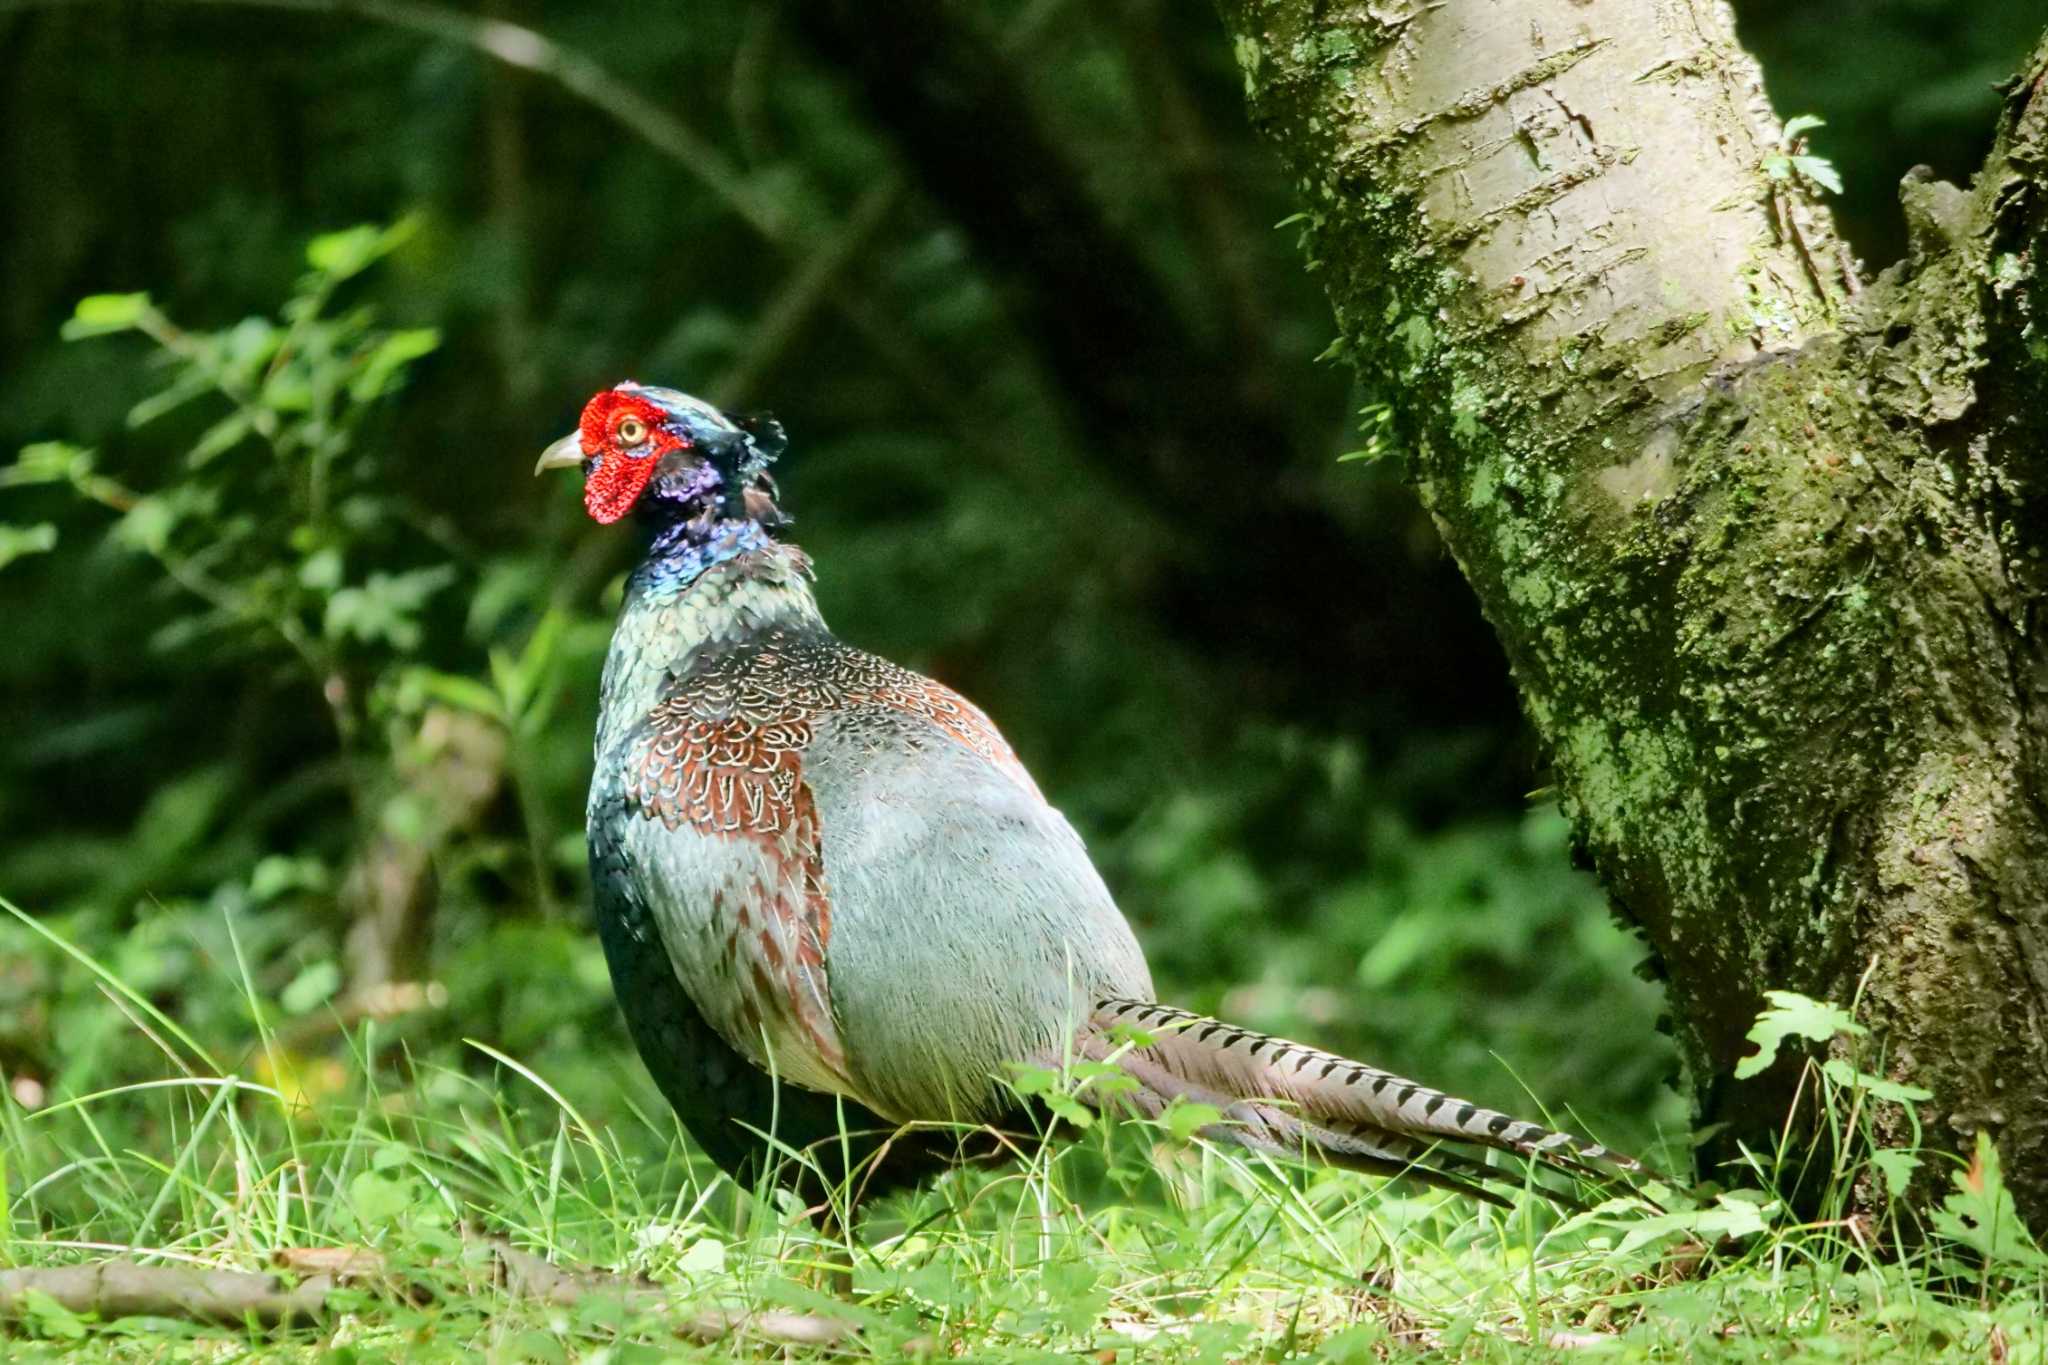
(1764, 540)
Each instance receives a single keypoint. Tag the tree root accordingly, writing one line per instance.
(299, 1295)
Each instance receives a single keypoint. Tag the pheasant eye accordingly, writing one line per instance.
(631, 431)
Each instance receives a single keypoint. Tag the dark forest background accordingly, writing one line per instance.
(1011, 276)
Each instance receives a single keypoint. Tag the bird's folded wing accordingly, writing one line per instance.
(726, 836)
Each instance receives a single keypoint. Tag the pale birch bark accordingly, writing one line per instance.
(1763, 540)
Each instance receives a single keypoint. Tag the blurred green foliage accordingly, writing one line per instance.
(286, 620)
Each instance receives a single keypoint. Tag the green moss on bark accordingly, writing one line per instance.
(1763, 561)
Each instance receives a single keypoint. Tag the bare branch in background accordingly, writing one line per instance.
(782, 323)
(1163, 401)
(448, 774)
(588, 80)
(1215, 207)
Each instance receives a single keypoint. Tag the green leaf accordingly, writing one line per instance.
(18, 541)
(351, 251)
(407, 816)
(1185, 1117)
(1359, 1345)
(1400, 944)
(385, 607)
(1802, 123)
(379, 1199)
(49, 1318)
(519, 681)
(1897, 1167)
(1849, 1078)
(249, 347)
(1369, 454)
(1729, 1216)
(1110, 1080)
(188, 385)
(321, 570)
(1792, 1015)
(47, 462)
(705, 1256)
(542, 646)
(1819, 170)
(1070, 1109)
(1032, 1080)
(452, 689)
(220, 438)
(386, 364)
(1980, 1214)
(276, 874)
(148, 525)
(1127, 1035)
(343, 253)
(100, 314)
(533, 1344)
(311, 988)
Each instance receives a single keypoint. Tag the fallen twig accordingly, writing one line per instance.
(123, 1289)
(130, 1288)
(528, 1276)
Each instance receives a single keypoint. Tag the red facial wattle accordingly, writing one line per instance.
(620, 473)
(615, 484)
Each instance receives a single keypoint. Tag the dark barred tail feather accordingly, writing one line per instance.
(1285, 1099)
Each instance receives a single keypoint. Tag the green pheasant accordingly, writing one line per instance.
(835, 903)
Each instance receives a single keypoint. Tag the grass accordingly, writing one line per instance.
(1125, 1242)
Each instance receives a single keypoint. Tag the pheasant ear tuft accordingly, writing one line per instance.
(764, 431)
(738, 463)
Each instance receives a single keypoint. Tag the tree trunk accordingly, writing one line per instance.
(1763, 540)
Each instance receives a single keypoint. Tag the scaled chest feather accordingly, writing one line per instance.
(716, 775)
(723, 751)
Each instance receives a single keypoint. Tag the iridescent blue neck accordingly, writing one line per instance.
(683, 550)
(694, 595)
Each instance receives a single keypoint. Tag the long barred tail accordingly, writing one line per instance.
(1283, 1097)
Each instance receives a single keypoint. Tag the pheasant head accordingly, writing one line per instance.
(676, 459)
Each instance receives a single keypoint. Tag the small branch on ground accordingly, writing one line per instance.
(297, 1295)
(124, 1289)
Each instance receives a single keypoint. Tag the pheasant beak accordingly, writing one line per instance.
(566, 453)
